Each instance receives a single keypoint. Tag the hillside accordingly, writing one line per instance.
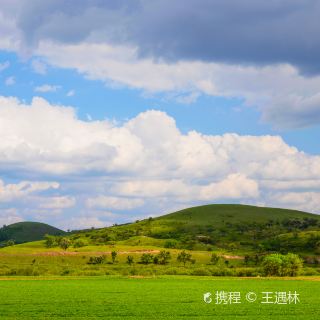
(27, 231)
(228, 227)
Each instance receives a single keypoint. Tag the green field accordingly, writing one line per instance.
(151, 298)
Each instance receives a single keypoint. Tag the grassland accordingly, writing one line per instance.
(151, 298)
(233, 232)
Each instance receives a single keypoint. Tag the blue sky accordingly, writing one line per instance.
(115, 111)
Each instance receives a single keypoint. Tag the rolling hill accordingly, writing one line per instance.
(27, 231)
(229, 227)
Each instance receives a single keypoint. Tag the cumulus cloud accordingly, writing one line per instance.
(284, 97)
(57, 202)
(145, 163)
(9, 216)
(46, 88)
(9, 192)
(39, 67)
(117, 203)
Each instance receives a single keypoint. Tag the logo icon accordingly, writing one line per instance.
(207, 297)
(251, 296)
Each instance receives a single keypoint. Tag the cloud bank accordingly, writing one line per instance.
(265, 53)
(143, 166)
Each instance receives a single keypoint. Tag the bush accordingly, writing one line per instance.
(201, 272)
(146, 258)
(184, 257)
(97, 260)
(79, 243)
(164, 257)
(170, 244)
(282, 265)
(64, 243)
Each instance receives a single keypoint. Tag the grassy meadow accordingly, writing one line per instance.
(170, 297)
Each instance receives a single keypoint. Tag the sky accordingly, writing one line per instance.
(113, 111)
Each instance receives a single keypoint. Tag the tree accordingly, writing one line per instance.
(65, 243)
(50, 241)
(282, 265)
(130, 260)
(114, 256)
(246, 259)
(184, 257)
(146, 258)
(97, 260)
(272, 264)
(79, 243)
(164, 257)
(214, 258)
(291, 265)
(10, 243)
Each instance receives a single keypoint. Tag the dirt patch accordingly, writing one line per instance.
(86, 253)
(233, 257)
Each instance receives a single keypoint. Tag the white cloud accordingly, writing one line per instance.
(71, 93)
(9, 216)
(9, 192)
(305, 201)
(83, 222)
(62, 202)
(46, 88)
(284, 97)
(10, 81)
(144, 163)
(39, 66)
(116, 203)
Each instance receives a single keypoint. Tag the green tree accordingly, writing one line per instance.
(146, 258)
(79, 243)
(291, 265)
(130, 260)
(65, 243)
(214, 258)
(272, 264)
(114, 256)
(10, 243)
(184, 257)
(282, 265)
(50, 241)
(164, 257)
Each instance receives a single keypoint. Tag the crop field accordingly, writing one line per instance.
(170, 297)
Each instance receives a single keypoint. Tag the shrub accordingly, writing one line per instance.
(201, 272)
(65, 243)
(146, 258)
(170, 244)
(164, 257)
(130, 260)
(114, 256)
(79, 243)
(184, 257)
(282, 265)
(97, 260)
(214, 258)
(50, 241)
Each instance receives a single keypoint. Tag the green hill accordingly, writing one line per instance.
(219, 214)
(228, 227)
(27, 231)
